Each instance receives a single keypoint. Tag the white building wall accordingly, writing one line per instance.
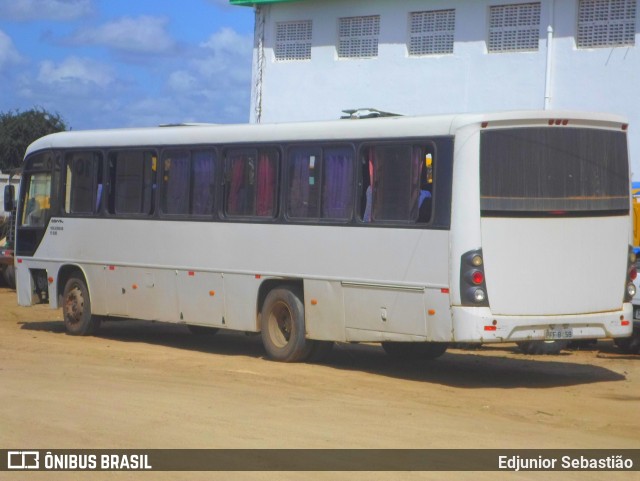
(469, 80)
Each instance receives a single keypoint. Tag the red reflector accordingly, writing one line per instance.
(112, 268)
(633, 273)
(19, 261)
(550, 121)
(191, 273)
(258, 276)
(484, 125)
(625, 126)
(490, 328)
(565, 121)
(558, 121)
(444, 290)
(477, 277)
(625, 323)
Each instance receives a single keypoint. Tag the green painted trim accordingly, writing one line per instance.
(249, 3)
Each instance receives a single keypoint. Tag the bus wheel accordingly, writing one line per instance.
(414, 350)
(76, 309)
(542, 347)
(283, 329)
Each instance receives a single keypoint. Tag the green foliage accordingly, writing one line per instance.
(19, 129)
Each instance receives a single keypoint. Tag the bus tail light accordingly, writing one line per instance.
(477, 277)
(473, 288)
(632, 273)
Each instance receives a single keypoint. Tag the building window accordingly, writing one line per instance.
(358, 37)
(514, 28)
(432, 32)
(606, 23)
(293, 40)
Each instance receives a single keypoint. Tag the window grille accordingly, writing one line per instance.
(606, 23)
(431, 33)
(514, 28)
(293, 40)
(358, 37)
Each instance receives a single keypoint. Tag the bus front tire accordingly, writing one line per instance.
(414, 350)
(76, 309)
(542, 347)
(283, 328)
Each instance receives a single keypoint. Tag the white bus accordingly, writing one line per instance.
(413, 232)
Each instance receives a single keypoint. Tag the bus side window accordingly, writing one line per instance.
(337, 183)
(397, 183)
(251, 182)
(304, 182)
(83, 182)
(320, 182)
(131, 182)
(174, 195)
(202, 182)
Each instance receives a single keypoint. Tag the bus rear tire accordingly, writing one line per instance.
(283, 328)
(542, 347)
(414, 350)
(76, 309)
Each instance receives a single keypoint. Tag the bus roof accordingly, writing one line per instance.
(332, 130)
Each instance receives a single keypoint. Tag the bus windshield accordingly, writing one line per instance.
(537, 170)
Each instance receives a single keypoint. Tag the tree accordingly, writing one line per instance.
(19, 129)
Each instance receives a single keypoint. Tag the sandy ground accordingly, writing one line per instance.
(144, 385)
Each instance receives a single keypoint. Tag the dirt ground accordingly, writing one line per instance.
(145, 385)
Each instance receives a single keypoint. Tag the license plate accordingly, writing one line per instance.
(636, 313)
(553, 334)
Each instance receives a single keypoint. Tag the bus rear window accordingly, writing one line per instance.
(541, 170)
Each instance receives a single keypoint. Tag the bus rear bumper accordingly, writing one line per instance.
(477, 324)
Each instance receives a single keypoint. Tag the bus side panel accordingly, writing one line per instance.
(324, 313)
(386, 310)
(201, 298)
(439, 315)
(240, 297)
(385, 314)
(140, 293)
(154, 297)
(116, 288)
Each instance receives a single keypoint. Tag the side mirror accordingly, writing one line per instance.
(9, 198)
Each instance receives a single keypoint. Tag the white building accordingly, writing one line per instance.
(315, 58)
